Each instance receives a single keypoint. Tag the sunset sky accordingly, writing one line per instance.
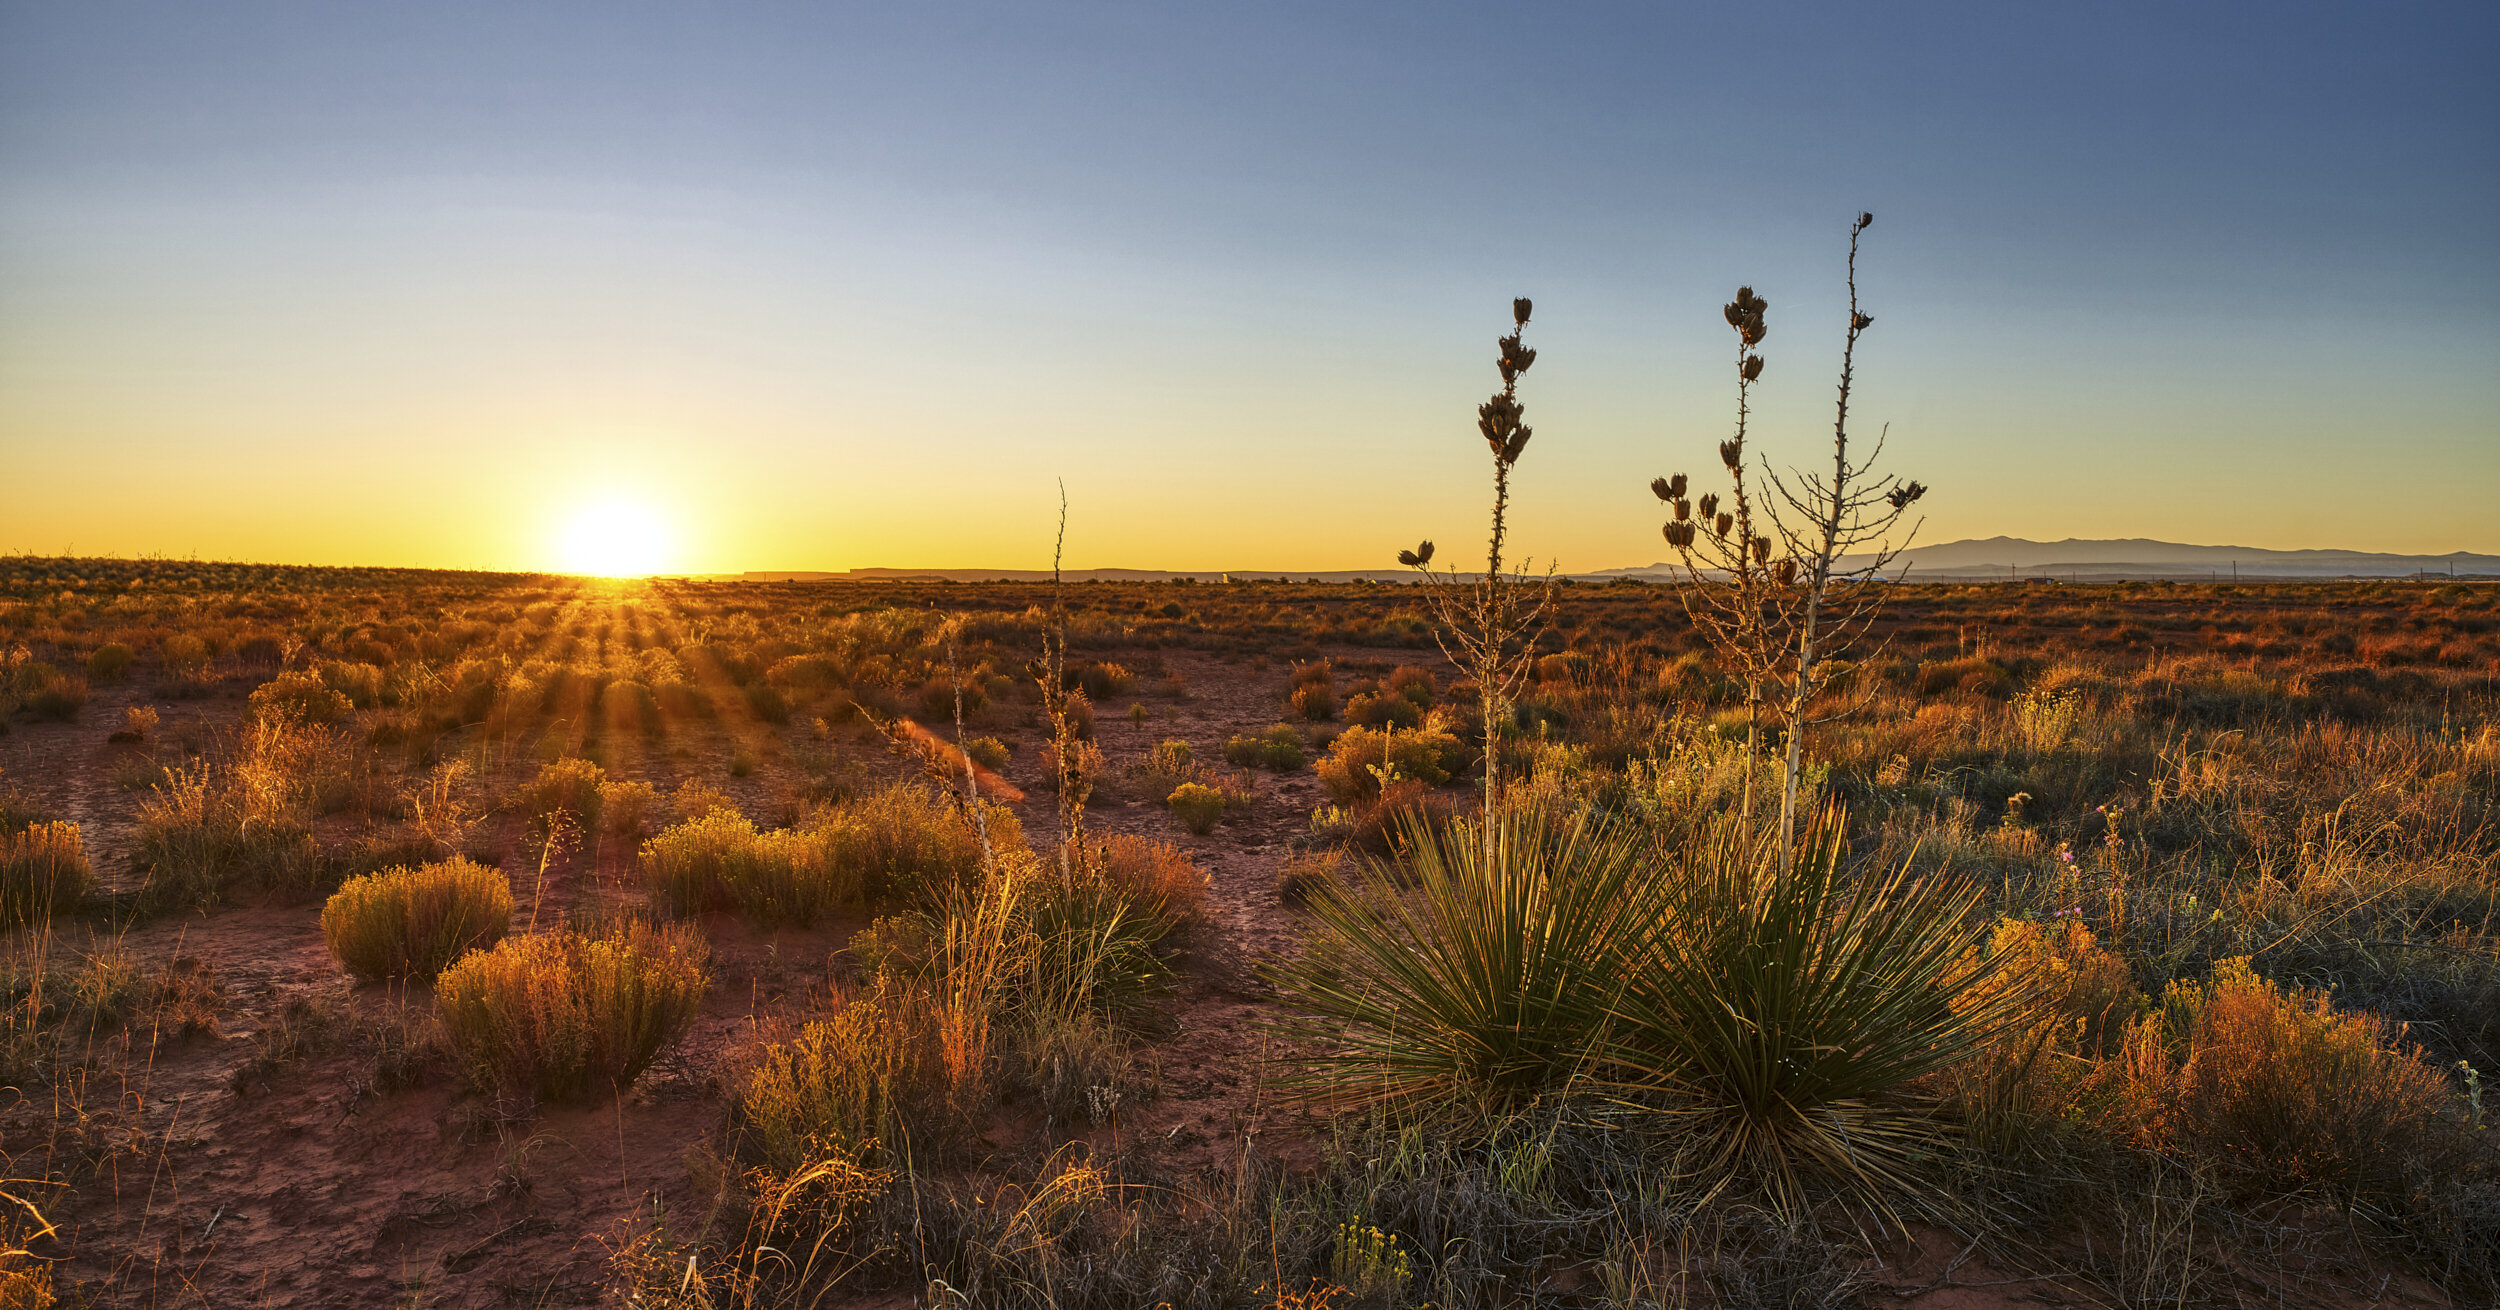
(743, 286)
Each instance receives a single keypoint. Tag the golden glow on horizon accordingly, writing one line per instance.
(616, 539)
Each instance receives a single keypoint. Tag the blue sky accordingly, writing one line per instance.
(822, 286)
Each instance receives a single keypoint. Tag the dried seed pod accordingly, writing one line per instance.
(1731, 454)
(1497, 419)
(1515, 357)
(1762, 550)
(1662, 489)
(1519, 311)
(1517, 443)
(1866, 219)
(1786, 572)
(1416, 558)
(1679, 535)
(1753, 367)
(1710, 504)
(1902, 496)
(1683, 510)
(1861, 322)
(1725, 522)
(1676, 485)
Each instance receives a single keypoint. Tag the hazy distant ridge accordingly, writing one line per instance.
(2074, 559)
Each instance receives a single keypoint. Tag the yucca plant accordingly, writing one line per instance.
(1488, 983)
(1783, 1006)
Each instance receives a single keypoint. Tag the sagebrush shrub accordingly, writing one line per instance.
(44, 871)
(1314, 701)
(413, 923)
(565, 1015)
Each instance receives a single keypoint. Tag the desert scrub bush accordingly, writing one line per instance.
(1381, 710)
(2024, 1089)
(720, 861)
(43, 872)
(624, 806)
(1316, 702)
(299, 694)
(768, 703)
(414, 922)
(1280, 748)
(49, 693)
(1362, 760)
(570, 786)
(1170, 764)
(1158, 879)
(359, 682)
(907, 845)
(1099, 679)
(2278, 1088)
(563, 1015)
(988, 752)
(110, 662)
(1197, 806)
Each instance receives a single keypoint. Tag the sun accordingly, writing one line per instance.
(616, 539)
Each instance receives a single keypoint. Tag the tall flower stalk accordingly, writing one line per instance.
(1486, 627)
(1783, 624)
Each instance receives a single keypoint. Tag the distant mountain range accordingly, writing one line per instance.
(2071, 560)
(2131, 558)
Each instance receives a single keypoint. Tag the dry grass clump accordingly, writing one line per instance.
(860, 1081)
(44, 871)
(565, 1015)
(1305, 875)
(210, 828)
(413, 923)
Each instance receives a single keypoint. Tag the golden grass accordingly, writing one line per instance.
(44, 871)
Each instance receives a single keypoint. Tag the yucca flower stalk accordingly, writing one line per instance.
(1485, 628)
(1782, 623)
